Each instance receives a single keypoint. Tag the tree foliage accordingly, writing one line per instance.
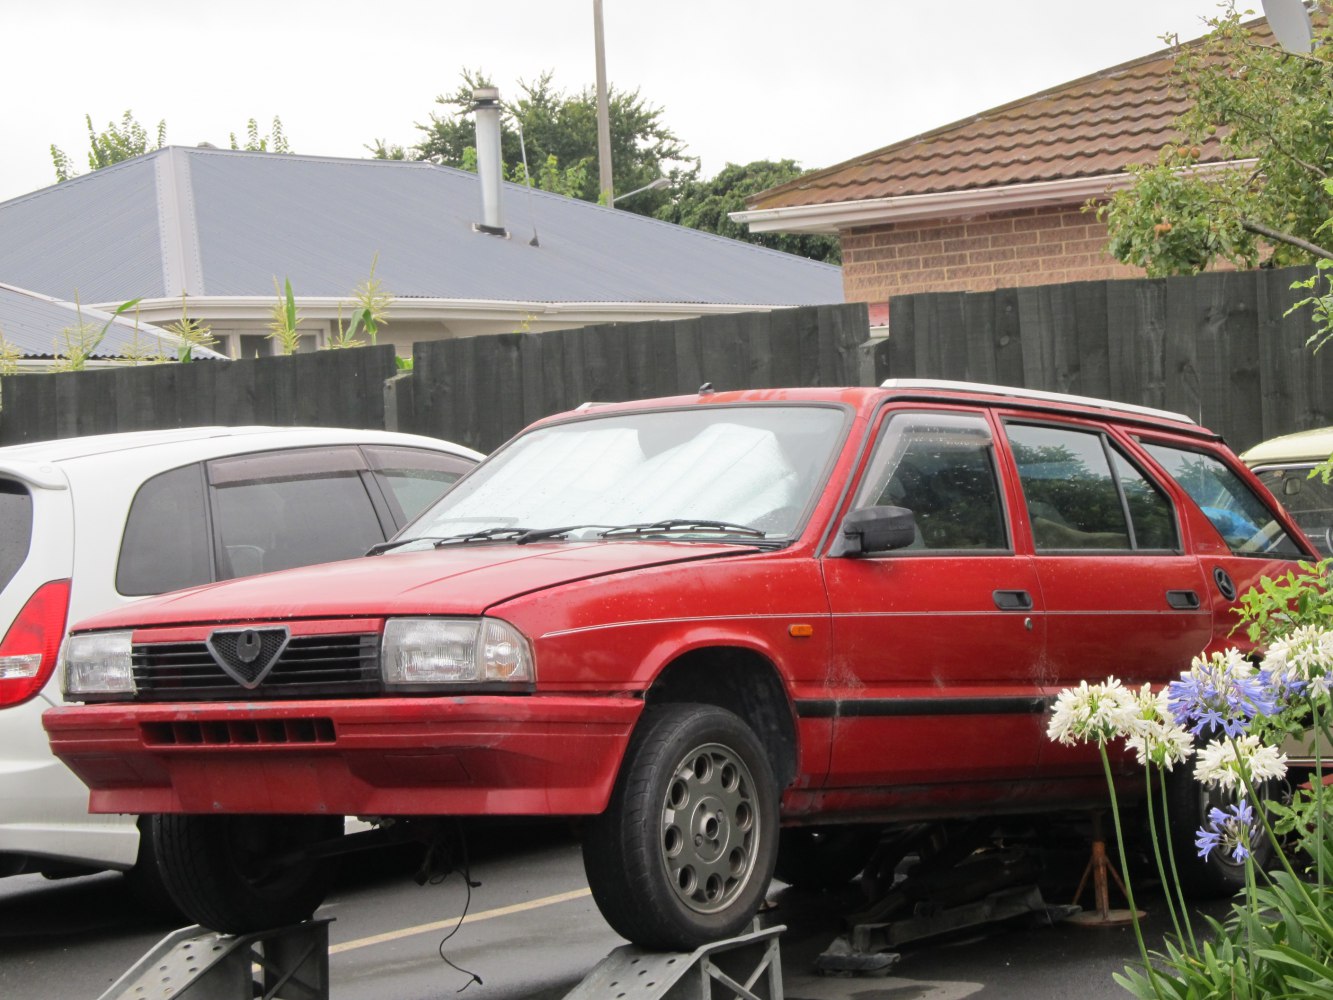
(116, 142)
(559, 133)
(1269, 110)
(128, 139)
(705, 204)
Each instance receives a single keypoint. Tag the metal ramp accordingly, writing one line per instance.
(289, 963)
(748, 967)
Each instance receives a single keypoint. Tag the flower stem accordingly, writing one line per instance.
(1124, 869)
(1171, 858)
(1157, 856)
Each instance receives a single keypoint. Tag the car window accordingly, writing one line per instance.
(281, 509)
(165, 545)
(15, 528)
(1081, 493)
(941, 467)
(1236, 511)
(414, 478)
(1151, 515)
(1309, 501)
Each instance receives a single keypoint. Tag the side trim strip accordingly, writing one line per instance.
(829, 708)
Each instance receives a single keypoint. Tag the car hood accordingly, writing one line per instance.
(460, 579)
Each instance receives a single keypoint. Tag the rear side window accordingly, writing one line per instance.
(1084, 494)
(414, 478)
(1236, 511)
(15, 528)
(165, 546)
(277, 510)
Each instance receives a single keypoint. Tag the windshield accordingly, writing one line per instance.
(1309, 501)
(755, 467)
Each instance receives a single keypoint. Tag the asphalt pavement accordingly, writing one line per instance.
(532, 931)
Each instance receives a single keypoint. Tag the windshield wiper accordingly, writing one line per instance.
(392, 543)
(484, 535)
(684, 524)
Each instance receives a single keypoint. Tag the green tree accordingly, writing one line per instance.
(274, 142)
(705, 204)
(560, 135)
(1269, 110)
(129, 139)
(117, 142)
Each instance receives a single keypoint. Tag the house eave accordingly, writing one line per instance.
(835, 217)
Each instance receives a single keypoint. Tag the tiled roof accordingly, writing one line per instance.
(1088, 127)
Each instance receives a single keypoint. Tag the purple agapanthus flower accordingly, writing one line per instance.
(1224, 693)
(1228, 830)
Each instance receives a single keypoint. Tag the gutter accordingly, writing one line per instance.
(834, 217)
(217, 308)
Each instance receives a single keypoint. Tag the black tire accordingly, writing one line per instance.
(657, 885)
(1218, 875)
(224, 872)
(824, 857)
(145, 878)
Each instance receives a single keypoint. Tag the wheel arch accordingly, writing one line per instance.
(745, 683)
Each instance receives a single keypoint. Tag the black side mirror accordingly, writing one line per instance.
(875, 529)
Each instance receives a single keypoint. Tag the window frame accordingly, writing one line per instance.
(1111, 445)
(875, 441)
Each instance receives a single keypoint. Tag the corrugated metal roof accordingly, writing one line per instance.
(37, 325)
(1093, 126)
(231, 221)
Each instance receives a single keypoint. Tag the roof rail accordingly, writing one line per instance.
(944, 385)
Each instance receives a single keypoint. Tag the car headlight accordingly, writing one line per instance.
(97, 663)
(425, 651)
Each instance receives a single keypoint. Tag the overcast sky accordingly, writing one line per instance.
(818, 81)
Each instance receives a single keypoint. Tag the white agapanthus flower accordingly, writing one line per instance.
(1156, 737)
(1304, 655)
(1093, 713)
(1220, 763)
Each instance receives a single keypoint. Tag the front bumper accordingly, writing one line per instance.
(460, 755)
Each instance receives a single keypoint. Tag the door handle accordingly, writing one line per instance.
(1183, 600)
(1012, 600)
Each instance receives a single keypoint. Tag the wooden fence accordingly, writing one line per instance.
(1218, 347)
(477, 391)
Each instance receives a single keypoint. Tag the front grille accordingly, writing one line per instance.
(310, 666)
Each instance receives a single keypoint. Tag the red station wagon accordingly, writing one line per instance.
(690, 621)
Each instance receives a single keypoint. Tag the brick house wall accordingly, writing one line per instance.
(1026, 246)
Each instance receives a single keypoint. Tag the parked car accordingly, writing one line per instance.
(689, 621)
(91, 523)
(1283, 464)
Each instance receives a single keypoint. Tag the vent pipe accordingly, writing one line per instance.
(490, 166)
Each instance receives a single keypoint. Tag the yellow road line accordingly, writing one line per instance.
(439, 925)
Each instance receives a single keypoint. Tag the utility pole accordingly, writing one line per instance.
(603, 111)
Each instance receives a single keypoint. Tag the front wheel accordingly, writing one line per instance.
(238, 874)
(684, 852)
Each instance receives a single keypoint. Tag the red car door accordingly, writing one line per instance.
(935, 684)
(1124, 596)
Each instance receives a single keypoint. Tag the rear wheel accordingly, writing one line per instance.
(1219, 874)
(685, 850)
(238, 874)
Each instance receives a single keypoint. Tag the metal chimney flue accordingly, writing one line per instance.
(490, 165)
